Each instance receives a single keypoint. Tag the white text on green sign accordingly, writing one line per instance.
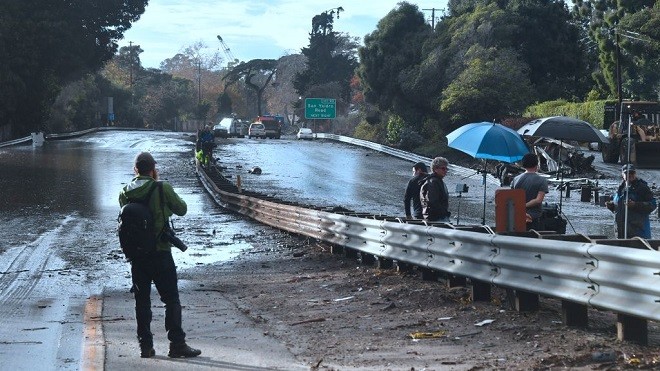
(320, 108)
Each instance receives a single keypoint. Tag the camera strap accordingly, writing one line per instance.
(166, 220)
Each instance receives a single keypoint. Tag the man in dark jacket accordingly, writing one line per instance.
(640, 202)
(433, 193)
(412, 192)
(159, 266)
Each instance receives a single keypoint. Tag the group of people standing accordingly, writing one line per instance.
(426, 197)
(204, 145)
(427, 193)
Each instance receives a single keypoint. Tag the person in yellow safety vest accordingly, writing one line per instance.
(204, 160)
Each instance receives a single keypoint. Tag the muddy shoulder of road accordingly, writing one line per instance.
(332, 312)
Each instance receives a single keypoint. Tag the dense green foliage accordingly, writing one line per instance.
(591, 111)
(45, 44)
(485, 60)
(636, 26)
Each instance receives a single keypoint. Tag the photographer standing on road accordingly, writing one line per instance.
(636, 194)
(158, 266)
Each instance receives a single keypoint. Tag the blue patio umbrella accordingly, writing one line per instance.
(488, 141)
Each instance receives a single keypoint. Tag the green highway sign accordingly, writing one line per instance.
(320, 108)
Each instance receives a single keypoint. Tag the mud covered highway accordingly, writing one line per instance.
(60, 261)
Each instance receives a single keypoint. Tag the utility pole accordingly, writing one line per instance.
(199, 82)
(432, 17)
(619, 93)
(130, 63)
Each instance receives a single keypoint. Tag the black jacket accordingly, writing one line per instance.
(412, 196)
(435, 198)
(638, 215)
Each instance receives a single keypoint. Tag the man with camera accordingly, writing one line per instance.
(157, 266)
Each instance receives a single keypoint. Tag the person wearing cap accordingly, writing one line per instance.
(535, 187)
(433, 193)
(412, 192)
(634, 193)
(158, 267)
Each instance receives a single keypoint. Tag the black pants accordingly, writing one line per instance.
(160, 270)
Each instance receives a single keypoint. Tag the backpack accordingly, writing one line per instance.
(137, 235)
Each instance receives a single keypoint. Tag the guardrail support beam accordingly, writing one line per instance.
(350, 253)
(634, 329)
(384, 263)
(456, 281)
(481, 291)
(366, 258)
(523, 301)
(574, 314)
(402, 267)
(336, 249)
(430, 274)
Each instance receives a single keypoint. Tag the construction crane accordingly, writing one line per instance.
(227, 51)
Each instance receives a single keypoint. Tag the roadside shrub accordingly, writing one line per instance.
(366, 131)
(592, 112)
(395, 126)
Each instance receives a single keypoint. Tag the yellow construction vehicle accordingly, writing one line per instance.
(639, 121)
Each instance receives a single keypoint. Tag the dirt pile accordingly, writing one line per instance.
(334, 313)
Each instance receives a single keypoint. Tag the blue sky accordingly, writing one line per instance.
(265, 29)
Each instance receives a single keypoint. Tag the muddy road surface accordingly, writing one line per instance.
(58, 209)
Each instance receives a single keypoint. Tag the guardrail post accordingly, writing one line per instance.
(456, 281)
(366, 258)
(403, 267)
(336, 249)
(574, 314)
(430, 274)
(523, 301)
(384, 263)
(480, 291)
(634, 329)
(350, 253)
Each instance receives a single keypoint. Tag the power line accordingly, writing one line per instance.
(433, 16)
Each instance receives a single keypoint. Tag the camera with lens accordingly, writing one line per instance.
(169, 236)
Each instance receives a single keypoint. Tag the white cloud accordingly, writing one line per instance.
(250, 28)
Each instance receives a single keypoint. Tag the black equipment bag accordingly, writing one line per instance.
(137, 235)
(552, 220)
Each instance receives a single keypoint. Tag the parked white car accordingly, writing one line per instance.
(257, 130)
(305, 133)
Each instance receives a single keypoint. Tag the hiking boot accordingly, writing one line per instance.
(183, 351)
(147, 352)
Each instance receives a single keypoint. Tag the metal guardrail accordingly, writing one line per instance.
(69, 135)
(16, 142)
(465, 172)
(584, 271)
